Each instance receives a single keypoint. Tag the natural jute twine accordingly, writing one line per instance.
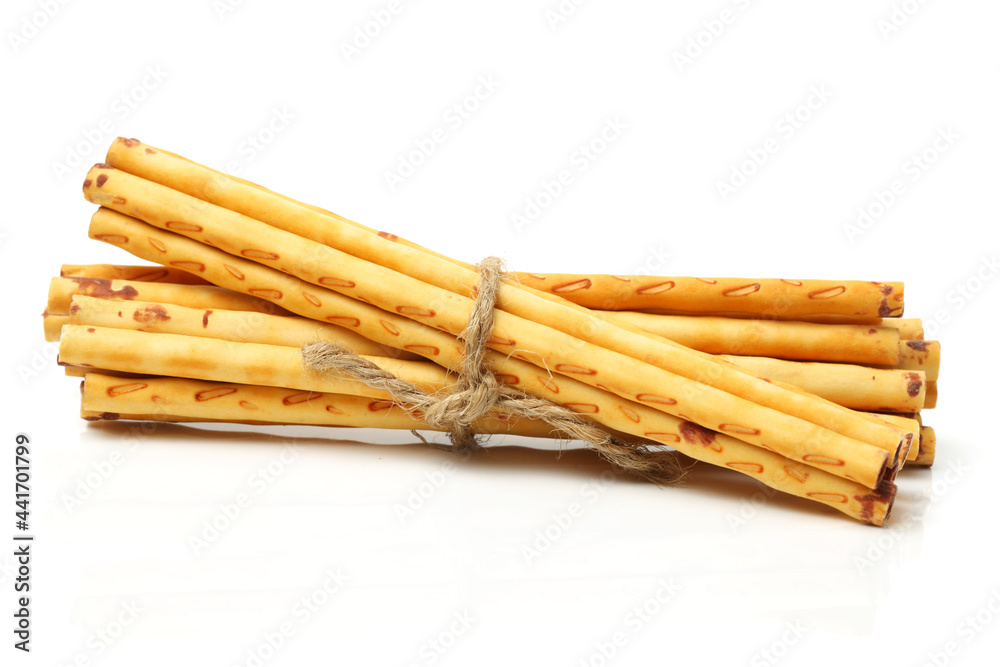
(478, 392)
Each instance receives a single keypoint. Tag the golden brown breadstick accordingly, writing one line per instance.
(910, 423)
(784, 298)
(928, 444)
(378, 325)
(910, 328)
(194, 296)
(144, 274)
(583, 345)
(232, 325)
(853, 343)
(857, 387)
(180, 398)
(920, 355)
(930, 401)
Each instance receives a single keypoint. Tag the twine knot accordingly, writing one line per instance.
(477, 392)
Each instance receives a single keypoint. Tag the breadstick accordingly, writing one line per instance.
(373, 323)
(909, 423)
(852, 343)
(920, 355)
(612, 353)
(930, 401)
(928, 443)
(283, 406)
(857, 387)
(227, 361)
(909, 328)
(194, 296)
(144, 274)
(53, 324)
(786, 298)
(232, 325)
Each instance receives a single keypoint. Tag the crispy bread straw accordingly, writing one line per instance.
(786, 298)
(612, 352)
(857, 387)
(193, 296)
(53, 324)
(908, 422)
(851, 343)
(233, 325)
(124, 350)
(928, 443)
(236, 402)
(145, 274)
(909, 328)
(373, 323)
(178, 399)
(920, 355)
(772, 298)
(930, 401)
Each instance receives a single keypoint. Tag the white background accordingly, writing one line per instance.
(724, 570)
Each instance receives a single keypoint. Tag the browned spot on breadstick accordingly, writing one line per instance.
(375, 406)
(828, 293)
(746, 467)
(155, 313)
(234, 272)
(344, 321)
(624, 279)
(117, 200)
(413, 310)
(742, 291)
(736, 428)
(698, 435)
(537, 276)
(104, 165)
(195, 267)
(797, 475)
(549, 384)
(295, 399)
(111, 238)
(423, 350)
(336, 282)
(204, 319)
(631, 414)
(390, 327)
(883, 494)
(158, 400)
(266, 293)
(657, 288)
(101, 287)
(822, 460)
(913, 384)
(150, 151)
(258, 254)
(130, 143)
(104, 416)
(248, 405)
(311, 298)
(218, 392)
(653, 398)
(507, 378)
(333, 410)
(496, 340)
(663, 437)
(710, 281)
(578, 370)
(101, 179)
(183, 226)
(120, 389)
(86, 183)
(91, 330)
(584, 283)
(918, 345)
(797, 283)
(387, 235)
(588, 408)
(828, 497)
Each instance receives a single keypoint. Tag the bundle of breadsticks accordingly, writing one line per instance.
(256, 308)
